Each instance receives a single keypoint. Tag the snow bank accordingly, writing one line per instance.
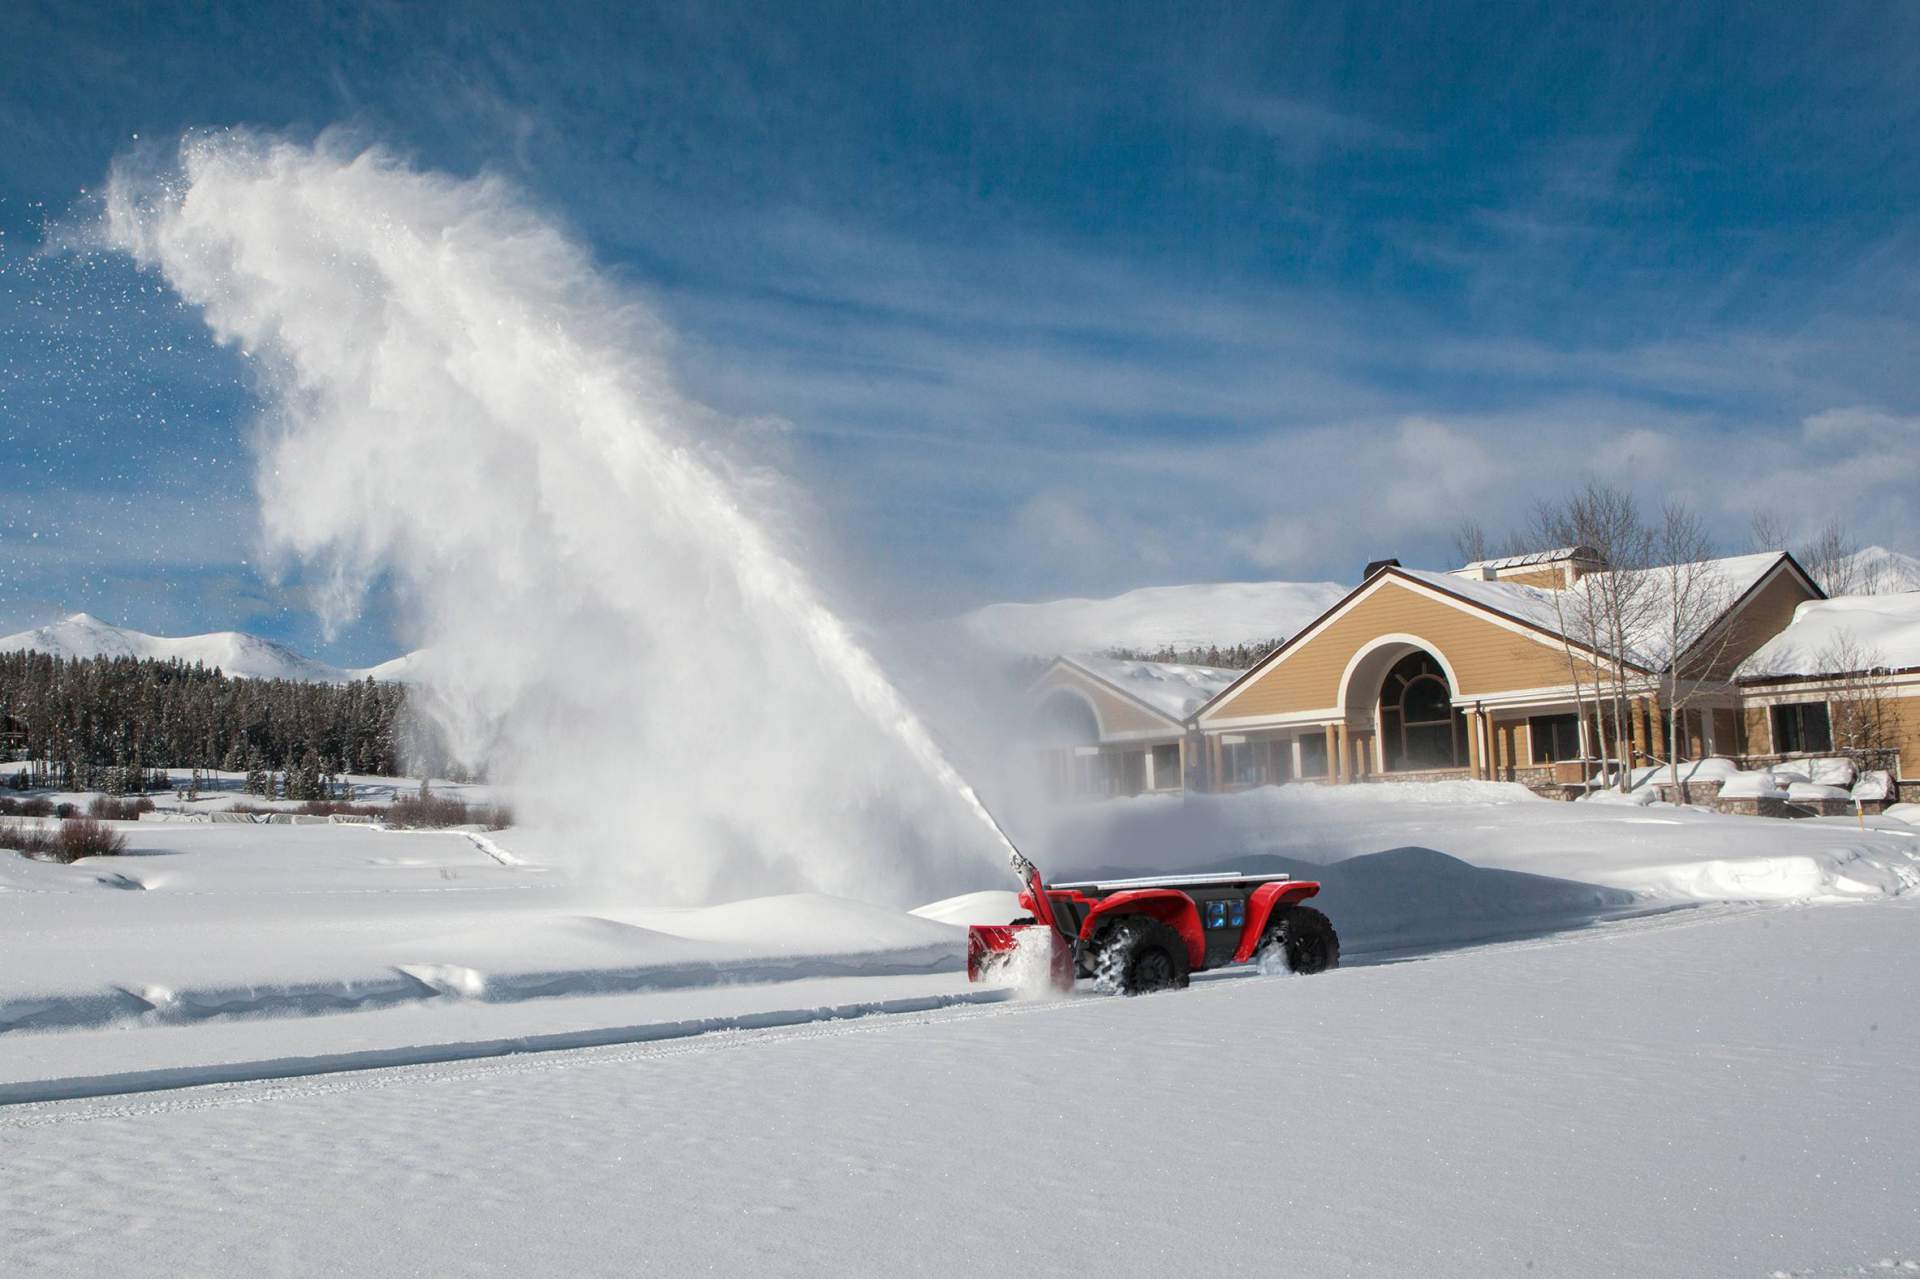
(1908, 813)
(1460, 793)
(802, 923)
(1801, 791)
(1659, 854)
(993, 906)
(1830, 772)
(1874, 784)
(1759, 784)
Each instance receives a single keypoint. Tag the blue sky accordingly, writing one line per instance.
(1047, 299)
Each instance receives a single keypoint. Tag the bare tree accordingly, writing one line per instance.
(1609, 611)
(1693, 637)
(1574, 622)
(1766, 532)
(1833, 559)
(1863, 719)
(1470, 542)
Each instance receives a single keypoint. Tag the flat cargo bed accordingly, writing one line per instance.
(1171, 881)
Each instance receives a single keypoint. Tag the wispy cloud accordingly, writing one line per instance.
(1309, 126)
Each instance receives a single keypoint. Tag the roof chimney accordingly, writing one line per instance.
(1374, 566)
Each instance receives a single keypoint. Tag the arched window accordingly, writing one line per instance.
(1065, 719)
(1419, 727)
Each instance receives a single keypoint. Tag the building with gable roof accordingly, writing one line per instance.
(1489, 672)
(1482, 672)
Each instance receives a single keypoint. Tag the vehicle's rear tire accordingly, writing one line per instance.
(1139, 955)
(1299, 939)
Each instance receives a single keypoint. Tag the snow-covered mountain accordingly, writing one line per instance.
(1180, 616)
(234, 652)
(1879, 571)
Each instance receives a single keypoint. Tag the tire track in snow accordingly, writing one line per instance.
(243, 1092)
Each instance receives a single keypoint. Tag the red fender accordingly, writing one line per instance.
(1169, 905)
(1260, 907)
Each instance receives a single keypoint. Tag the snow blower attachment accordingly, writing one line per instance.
(999, 952)
(1137, 935)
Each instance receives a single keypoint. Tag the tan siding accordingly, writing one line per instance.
(1551, 578)
(1486, 657)
(1759, 738)
(1906, 718)
(1764, 617)
(1117, 714)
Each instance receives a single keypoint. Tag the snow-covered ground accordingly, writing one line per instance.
(221, 792)
(1695, 1094)
(210, 922)
(206, 921)
(1531, 1055)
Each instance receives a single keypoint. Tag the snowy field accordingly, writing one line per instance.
(1598, 1038)
(1701, 1094)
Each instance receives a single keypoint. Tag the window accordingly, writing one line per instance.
(1090, 776)
(1166, 766)
(1279, 753)
(1801, 728)
(1555, 738)
(1313, 755)
(1419, 726)
(1263, 761)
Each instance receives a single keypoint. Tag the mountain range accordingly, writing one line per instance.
(234, 652)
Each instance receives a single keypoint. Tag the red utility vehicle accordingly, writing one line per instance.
(1137, 935)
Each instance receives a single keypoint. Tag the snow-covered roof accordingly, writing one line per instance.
(1554, 556)
(1154, 617)
(1882, 631)
(1551, 610)
(1168, 687)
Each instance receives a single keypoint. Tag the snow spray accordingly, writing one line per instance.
(458, 406)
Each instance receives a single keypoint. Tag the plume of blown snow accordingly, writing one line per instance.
(457, 403)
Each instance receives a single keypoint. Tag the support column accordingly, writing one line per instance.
(1473, 744)
(1333, 753)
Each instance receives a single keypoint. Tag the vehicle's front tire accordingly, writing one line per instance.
(1299, 939)
(1140, 955)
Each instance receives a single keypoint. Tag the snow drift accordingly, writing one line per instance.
(457, 404)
